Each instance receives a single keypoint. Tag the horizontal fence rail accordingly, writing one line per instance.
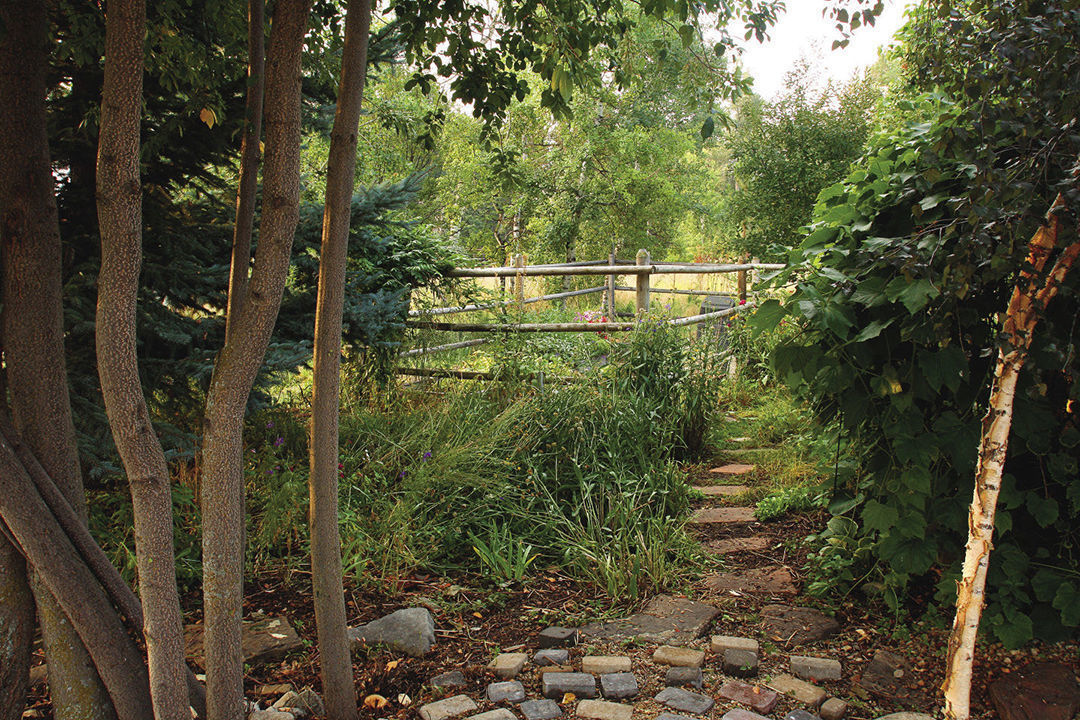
(503, 303)
(444, 348)
(523, 327)
(676, 291)
(651, 269)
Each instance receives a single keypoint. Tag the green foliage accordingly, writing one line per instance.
(504, 557)
(787, 500)
(900, 285)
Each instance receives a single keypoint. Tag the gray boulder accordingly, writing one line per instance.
(410, 631)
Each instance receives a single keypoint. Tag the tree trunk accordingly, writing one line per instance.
(41, 541)
(34, 349)
(119, 201)
(249, 164)
(1027, 301)
(334, 655)
(16, 631)
(239, 361)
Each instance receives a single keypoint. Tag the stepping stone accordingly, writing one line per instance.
(555, 685)
(906, 716)
(605, 664)
(803, 715)
(814, 668)
(509, 691)
(760, 699)
(1042, 690)
(721, 490)
(740, 663)
(887, 675)
(448, 708)
(769, 580)
(665, 619)
(671, 716)
(410, 631)
(722, 515)
(540, 709)
(263, 641)
(679, 699)
(454, 678)
(833, 709)
(500, 714)
(508, 665)
(604, 710)
(802, 691)
(729, 546)
(719, 643)
(739, 439)
(740, 714)
(551, 656)
(797, 625)
(683, 657)
(555, 668)
(682, 676)
(732, 469)
(555, 636)
(616, 686)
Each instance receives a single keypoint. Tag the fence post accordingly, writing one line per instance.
(519, 282)
(741, 280)
(609, 296)
(642, 295)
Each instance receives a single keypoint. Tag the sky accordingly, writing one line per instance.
(802, 32)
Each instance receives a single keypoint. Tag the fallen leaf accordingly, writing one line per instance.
(478, 615)
(392, 664)
(375, 702)
(569, 698)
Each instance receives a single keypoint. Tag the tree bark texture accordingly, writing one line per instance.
(249, 163)
(119, 201)
(238, 362)
(334, 656)
(118, 660)
(34, 342)
(1027, 301)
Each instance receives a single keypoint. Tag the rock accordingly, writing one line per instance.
(733, 469)
(833, 709)
(721, 490)
(271, 714)
(887, 675)
(801, 715)
(555, 668)
(509, 691)
(719, 643)
(680, 656)
(616, 686)
(507, 665)
(307, 702)
(729, 546)
(263, 641)
(499, 714)
(448, 708)
(797, 625)
(767, 580)
(906, 716)
(815, 668)
(540, 709)
(681, 676)
(802, 691)
(555, 636)
(1038, 691)
(671, 716)
(605, 664)
(679, 699)
(410, 631)
(603, 710)
(740, 663)
(555, 685)
(740, 714)
(268, 690)
(761, 699)
(665, 619)
(454, 678)
(551, 656)
(722, 515)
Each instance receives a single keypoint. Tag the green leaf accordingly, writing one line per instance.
(1067, 600)
(707, 128)
(767, 316)
(1013, 630)
(873, 329)
(877, 516)
(916, 294)
(1043, 509)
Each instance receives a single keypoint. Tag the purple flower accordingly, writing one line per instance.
(402, 474)
(427, 456)
(279, 442)
(269, 425)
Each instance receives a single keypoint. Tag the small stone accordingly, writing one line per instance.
(301, 704)
(271, 714)
(551, 656)
(833, 709)
(555, 636)
(815, 668)
(720, 643)
(604, 710)
(802, 691)
(679, 699)
(906, 716)
(680, 656)
(500, 714)
(801, 715)
(761, 699)
(454, 678)
(671, 716)
(265, 690)
(448, 708)
(540, 709)
(604, 664)
(679, 676)
(509, 691)
(410, 631)
(555, 685)
(508, 665)
(740, 663)
(740, 714)
(556, 668)
(616, 686)
(887, 675)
